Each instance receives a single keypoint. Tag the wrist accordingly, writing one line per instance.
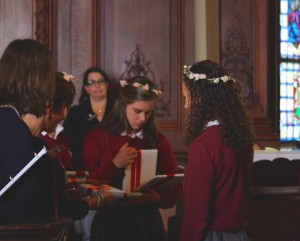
(101, 200)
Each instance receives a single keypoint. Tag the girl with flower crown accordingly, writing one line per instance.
(219, 138)
(108, 150)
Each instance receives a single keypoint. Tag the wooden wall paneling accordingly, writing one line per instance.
(147, 37)
(75, 38)
(44, 24)
(246, 53)
(16, 21)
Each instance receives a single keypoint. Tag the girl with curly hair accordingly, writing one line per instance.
(219, 137)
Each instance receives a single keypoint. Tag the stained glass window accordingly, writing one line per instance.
(289, 70)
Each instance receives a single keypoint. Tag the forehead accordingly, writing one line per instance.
(142, 105)
(95, 76)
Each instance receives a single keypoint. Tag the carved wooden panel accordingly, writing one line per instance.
(246, 53)
(145, 37)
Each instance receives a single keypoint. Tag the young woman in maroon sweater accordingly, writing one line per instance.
(108, 151)
(219, 138)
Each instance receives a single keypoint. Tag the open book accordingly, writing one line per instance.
(23, 170)
(158, 182)
(161, 182)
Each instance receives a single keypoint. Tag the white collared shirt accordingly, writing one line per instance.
(212, 123)
(137, 134)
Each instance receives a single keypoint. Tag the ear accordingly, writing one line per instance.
(48, 111)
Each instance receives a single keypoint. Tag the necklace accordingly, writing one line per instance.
(12, 107)
(97, 111)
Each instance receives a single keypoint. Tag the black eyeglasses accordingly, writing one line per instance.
(91, 82)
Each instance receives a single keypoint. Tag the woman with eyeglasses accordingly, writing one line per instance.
(95, 103)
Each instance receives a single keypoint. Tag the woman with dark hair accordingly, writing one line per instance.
(95, 103)
(27, 85)
(219, 137)
(108, 150)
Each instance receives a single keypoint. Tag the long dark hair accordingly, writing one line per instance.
(84, 95)
(216, 101)
(117, 122)
(27, 76)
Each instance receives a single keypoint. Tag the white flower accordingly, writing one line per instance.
(202, 76)
(146, 87)
(68, 77)
(225, 78)
(197, 76)
(123, 83)
(191, 76)
(216, 80)
(135, 84)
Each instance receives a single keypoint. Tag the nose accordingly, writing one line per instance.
(142, 117)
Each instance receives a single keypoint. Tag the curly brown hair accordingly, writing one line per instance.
(216, 101)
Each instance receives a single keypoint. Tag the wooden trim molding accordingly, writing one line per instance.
(45, 23)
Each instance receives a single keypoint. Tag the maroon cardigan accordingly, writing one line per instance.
(100, 147)
(216, 186)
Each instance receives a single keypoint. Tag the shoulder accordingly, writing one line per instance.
(209, 135)
(11, 124)
(163, 140)
(211, 139)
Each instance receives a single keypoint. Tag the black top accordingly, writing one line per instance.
(31, 197)
(80, 119)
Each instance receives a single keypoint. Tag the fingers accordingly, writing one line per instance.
(124, 146)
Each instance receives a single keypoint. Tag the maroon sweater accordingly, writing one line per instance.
(100, 147)
(216, 186)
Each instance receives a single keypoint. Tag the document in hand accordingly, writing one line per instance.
(141, 171)
(23, 170)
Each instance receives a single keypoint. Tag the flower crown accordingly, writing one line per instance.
(145, 87)
(195, 76)
(68, 77)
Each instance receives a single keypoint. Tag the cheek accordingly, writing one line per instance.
(87, 89)
(187, 103)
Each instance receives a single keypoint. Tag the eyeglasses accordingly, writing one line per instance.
(91, 82)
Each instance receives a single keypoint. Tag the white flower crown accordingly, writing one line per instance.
(195, 76)
(68, 77)
(145, 87)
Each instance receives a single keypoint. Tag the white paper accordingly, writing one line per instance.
(148, 169)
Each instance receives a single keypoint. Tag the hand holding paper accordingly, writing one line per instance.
(125, 156)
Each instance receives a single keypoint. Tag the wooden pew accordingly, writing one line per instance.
(274, 208)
